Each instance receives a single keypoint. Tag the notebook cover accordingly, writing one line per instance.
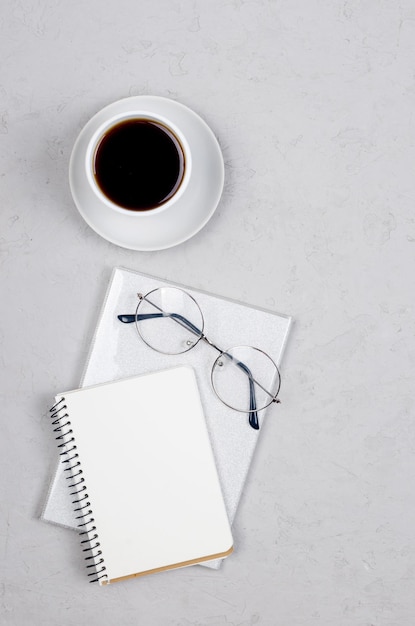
(144, 480)
(116, 352)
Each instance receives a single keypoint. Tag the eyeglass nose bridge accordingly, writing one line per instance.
(211, 344)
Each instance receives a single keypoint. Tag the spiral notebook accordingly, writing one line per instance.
(116, 352)
(142, 476)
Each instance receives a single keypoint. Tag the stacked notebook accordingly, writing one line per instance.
(175, 457)
(141, 474)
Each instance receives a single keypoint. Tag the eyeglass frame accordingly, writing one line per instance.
(182, 321)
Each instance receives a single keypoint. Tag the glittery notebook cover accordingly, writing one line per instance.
(117, 352)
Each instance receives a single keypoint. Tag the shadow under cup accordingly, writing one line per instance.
(139, 164)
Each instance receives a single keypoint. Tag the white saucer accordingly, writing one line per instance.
(177, 223)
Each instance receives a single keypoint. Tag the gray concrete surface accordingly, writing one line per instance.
(313, 104)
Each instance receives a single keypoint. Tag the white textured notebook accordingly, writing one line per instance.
(116, 352)
(139, 465)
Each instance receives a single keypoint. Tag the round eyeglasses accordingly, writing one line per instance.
(170, 321)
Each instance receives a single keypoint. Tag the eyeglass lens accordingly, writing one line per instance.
(169, 320)
(245, 378)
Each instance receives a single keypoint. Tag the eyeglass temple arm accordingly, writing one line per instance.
(253, 415)
(128, 319)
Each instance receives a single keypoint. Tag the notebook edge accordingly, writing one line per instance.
(164, 568)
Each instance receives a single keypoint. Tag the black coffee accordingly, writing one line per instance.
(139, 164)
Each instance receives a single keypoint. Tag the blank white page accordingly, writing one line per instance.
(149, 472)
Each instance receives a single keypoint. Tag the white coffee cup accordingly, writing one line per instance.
(104, 129)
